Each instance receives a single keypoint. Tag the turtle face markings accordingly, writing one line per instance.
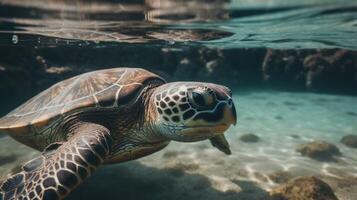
(185, 109)
(171, 104)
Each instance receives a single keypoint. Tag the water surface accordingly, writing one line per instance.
(223, 24)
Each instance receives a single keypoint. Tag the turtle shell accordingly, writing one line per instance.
(103, 89)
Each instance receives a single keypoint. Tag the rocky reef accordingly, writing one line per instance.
(318, 70)
(26, 71)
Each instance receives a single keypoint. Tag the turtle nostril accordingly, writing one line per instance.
(230, 102)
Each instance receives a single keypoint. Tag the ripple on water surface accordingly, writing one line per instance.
(223, 24)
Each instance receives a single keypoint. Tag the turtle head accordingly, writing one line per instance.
(192, 111)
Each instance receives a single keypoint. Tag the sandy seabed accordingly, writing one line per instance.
(282, 120)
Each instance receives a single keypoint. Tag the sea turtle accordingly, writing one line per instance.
(109, 116)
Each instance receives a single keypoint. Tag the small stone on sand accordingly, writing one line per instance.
(350, 141)
(319, 150)
(304, 188)
(295, 136)
(249, 138)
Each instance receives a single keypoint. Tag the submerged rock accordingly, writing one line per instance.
(350, 141)
(281, 67)
(249, 138)
(295, 136)
(351, 113)
(278, 117)
(319, 150)
(303, 188)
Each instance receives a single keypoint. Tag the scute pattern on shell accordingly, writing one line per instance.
(102, 88)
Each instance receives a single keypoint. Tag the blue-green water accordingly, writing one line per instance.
(199, 171)
(43, 42)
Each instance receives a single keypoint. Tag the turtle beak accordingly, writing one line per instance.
(233, 113)
(229, 118)
(224, 93)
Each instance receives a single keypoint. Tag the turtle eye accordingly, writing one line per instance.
(198, 99)
(201, 98)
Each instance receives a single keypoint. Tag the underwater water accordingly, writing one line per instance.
(227, 42)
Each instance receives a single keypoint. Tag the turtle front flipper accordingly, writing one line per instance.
(61, 167)
(221, 143)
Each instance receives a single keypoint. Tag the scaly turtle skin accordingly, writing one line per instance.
(109, 116)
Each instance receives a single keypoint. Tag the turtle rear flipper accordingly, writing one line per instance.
(55, 174)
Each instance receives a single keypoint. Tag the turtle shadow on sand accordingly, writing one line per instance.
(134, 180)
